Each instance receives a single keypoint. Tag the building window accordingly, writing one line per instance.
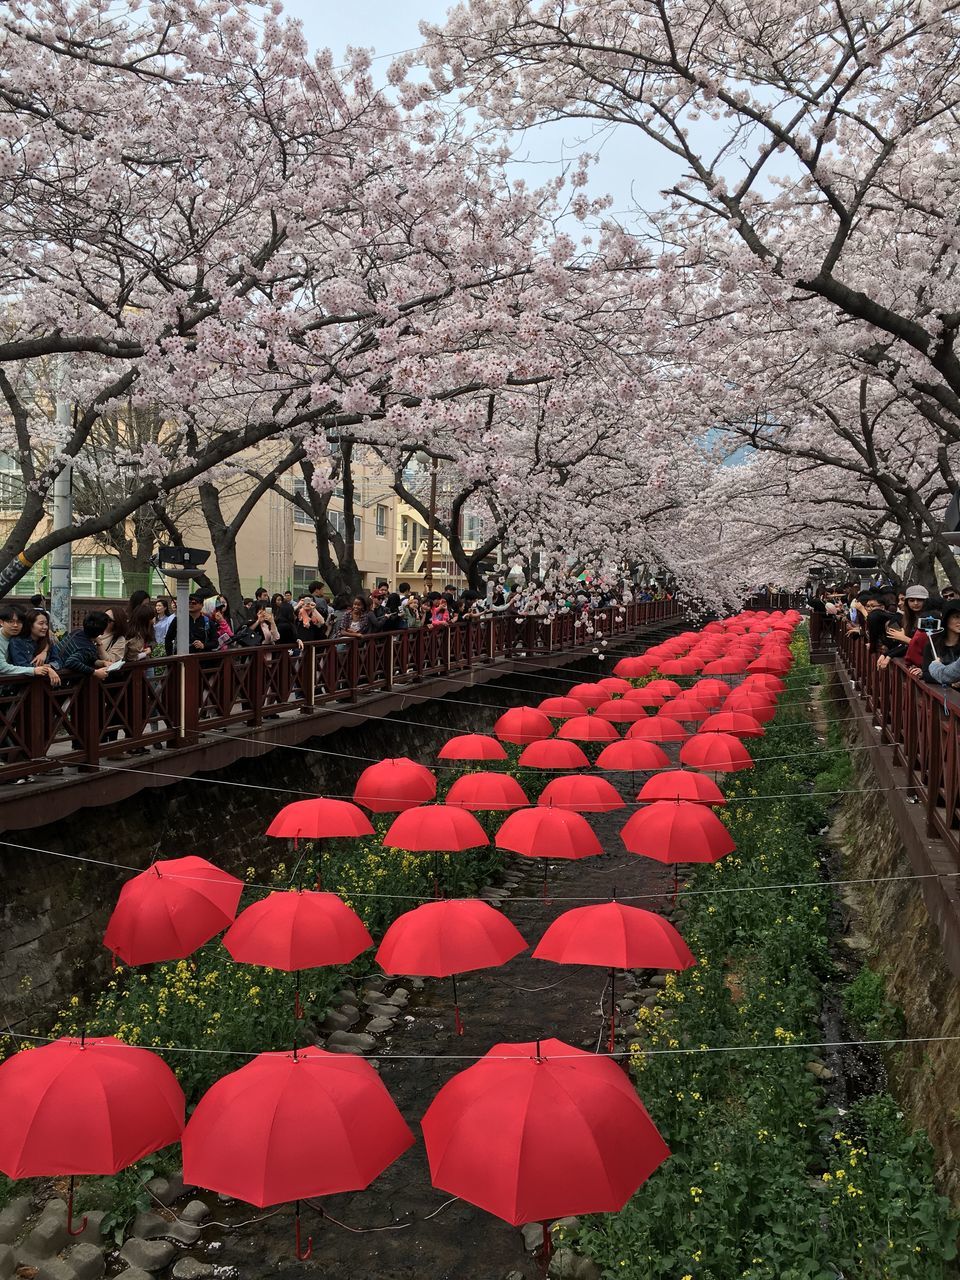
(404, 528)
(303, 575)
(97, 576)
(381, 520)
(11, 484)
(300, 491)
(337, 522)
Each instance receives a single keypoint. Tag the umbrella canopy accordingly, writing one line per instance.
(773, 683)
(487, 791)
(678, 831)
(716, 753)
(679, 666)
(681, 784)
(521, 725)
(472, 746)
(686, 707)
(561, 708)
(646, 697)
(757, 703)
(85, 1107)
(589, 695)
(453, 936)
(548, 833)
(587, 729)
(395, 784)
(614, 684)
(553, 753)
(320, 819)
(169, 910)
(585, 793)
(615, 936)
(288, 1126)
(435, 828)
(620, 711)
(712, 691)
(658, 728)
(634, 754)
(537, 1131)
(739, 723)
(667, 687)
(295, 929)
(634, 668)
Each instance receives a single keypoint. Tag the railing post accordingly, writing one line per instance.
(391, 637)
(308, 678)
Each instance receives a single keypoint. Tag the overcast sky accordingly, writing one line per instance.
(630, 169)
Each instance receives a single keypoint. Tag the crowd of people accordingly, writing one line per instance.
(921, 628)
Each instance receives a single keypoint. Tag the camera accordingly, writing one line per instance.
(930, 623)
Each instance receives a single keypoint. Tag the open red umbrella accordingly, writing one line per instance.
(587, 729)
(395, 784)
(667, 687)
(85, 1106)
(646, 697)
(739, 723)
(169, 910)
(677, 831)
(537, 1131)
(773, 683)
(296, 929)
(756, 703)
(716, 753)
(614, 936)
(681, 784)
(679, 667)
(436, 829)
(521, 725)
(559, 708)
(658, 728)
(319, 819)
(487, 791)
(442, 939)
(589, 695)
(289, 1126)
(553, 753)
(472, 746)
(548, 833)
(633, 755)
(712, 691)
(634, 668)
(620, 711)
(585, 793)
(614, 684)
(685, 708)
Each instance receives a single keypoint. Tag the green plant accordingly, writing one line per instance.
(123, 1197)
(868, 1007)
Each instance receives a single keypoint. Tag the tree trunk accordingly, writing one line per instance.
(224, 543)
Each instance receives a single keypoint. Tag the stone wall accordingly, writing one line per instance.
(53, 911)
(900, 941)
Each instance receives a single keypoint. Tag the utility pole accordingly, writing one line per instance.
(62, 557)
(431, 527)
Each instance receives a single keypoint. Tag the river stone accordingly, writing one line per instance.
(49, 1235)
(567, 1265)
(382, 1010)
(149, 1255)
(87, 1261)
(149, 1225)
(134, 1273)
(350, 1042)
(13, 1217)
(399, 997)
(167, 1190)
(8, 1262)
(341, 1019)
(417, 983)
(532, 1233)
(377, 1026)
(55, 1269)
(192, 1269)
(184, 1233)
(196, 1211)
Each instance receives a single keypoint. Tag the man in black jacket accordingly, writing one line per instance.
(203, 633)
(78, 653)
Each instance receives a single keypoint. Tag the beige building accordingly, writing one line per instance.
(413, 551)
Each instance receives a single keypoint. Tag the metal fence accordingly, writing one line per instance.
(168, 702)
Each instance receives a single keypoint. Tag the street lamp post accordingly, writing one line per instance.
(431, 527)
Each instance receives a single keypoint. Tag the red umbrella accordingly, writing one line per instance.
(680, 667)
(585, 793)
(442, 939)
(677, 831)
(617, 937)
(773, 683)
(548, 833)
(687, 709)
(646, 697)
(487, 791)
(614, 684)
(620, 711)
(760, 705)
(728, 666)
(739, 723)
(288, 1126)
(658, 729)
(667, 687)
(712, 691)
(80, 1106)
(588, 729)
(169, 910)
(770, 664)
(537, 1131)
(634, 668)
(472, 746)
(392, 785)
(681, 784)
(436, 828)
(716, 752)
(587, 694)
(296, 929)
(561, 708)
(634, 755)
(319, 819)
(521, 725)
(553, 753)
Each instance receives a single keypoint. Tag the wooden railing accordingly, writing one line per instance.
(169, 702)
(920, 721)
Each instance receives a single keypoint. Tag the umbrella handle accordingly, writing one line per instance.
(458, 1021)
(71, 1230)
(611, 1042)
(302, 1255)
(547, 1252)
